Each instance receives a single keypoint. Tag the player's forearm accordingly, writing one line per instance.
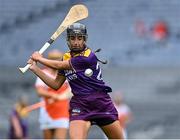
(45, 78)
(50, 63)
(60, 65)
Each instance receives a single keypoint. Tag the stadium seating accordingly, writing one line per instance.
(111, 27)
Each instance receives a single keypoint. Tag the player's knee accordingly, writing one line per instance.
(77, 135)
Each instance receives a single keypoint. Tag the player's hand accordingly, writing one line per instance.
(36, 56)
(33, 64)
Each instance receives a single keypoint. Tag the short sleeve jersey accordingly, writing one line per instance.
(79, 82)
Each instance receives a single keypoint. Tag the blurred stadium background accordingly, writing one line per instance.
(144, 70)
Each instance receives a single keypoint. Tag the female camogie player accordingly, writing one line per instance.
(91, 103)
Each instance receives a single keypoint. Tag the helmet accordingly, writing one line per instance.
(77, 29)
(74, 30)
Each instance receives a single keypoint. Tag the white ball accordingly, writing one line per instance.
(88, 72)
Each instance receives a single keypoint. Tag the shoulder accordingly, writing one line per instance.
(88, 52)
(83, 60)
(87, 56)
(67, 56)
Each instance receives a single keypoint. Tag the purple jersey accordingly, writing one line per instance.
(79, 82)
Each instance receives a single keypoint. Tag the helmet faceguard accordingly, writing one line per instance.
(76, 29)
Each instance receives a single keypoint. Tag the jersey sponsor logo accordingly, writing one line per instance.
(70, 74)
(75, 111)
